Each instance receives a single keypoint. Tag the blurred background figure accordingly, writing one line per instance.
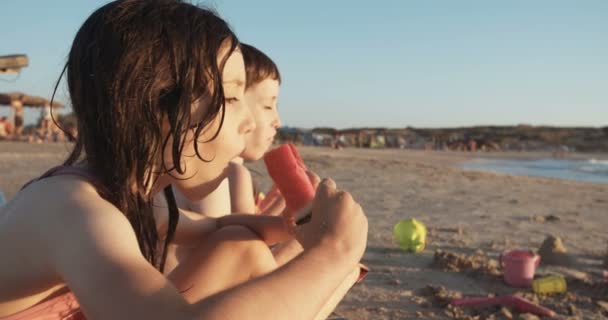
(3, 131)
(17, 111)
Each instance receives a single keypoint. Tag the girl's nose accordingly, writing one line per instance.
(248, 125)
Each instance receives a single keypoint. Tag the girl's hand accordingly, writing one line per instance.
(337, 222)
(273, 204)
(314, 181)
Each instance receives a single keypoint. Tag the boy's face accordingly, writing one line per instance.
(202, 177)
(262, 101)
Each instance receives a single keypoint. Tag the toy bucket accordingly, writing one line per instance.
(519, 267)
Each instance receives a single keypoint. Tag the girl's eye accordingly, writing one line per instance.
(231, 100)
(194, 126)
(268, 107)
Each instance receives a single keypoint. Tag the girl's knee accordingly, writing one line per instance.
(242, 240)
(253, 252)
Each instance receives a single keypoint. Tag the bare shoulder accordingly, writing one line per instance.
(241, 189)
(82, 235)
(237, 171)
(66, 197)
(69, 208)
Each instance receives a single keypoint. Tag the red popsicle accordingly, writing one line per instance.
(288, 172)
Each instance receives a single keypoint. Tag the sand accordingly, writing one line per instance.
(472, 216)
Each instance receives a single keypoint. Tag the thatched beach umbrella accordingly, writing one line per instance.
(28, 101)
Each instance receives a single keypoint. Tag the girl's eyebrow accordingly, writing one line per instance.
(235, 82)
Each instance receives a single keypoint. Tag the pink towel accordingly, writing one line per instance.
(63, 306)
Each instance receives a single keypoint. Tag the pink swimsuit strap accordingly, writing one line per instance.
(61, 306)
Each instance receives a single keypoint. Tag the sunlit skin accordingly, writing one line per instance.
(86, 235)
(202, 177)
(262, 100)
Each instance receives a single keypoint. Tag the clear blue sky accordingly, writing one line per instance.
(384, 63)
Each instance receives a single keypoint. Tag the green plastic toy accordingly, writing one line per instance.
(410, 234)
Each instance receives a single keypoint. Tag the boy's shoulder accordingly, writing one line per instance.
(237, 170)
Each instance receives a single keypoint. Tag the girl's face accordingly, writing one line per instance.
(262, 101)
(202, 177)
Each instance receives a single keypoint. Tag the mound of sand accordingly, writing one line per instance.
(553, 252)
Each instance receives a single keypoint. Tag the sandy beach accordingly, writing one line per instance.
(472, 217)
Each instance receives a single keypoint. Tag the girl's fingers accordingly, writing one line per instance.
(313, 178)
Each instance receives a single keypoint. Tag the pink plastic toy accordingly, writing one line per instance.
(520, 304)
(519, 267)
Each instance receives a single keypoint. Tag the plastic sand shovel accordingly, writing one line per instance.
(518, 303)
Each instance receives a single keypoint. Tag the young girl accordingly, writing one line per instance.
(157, 87)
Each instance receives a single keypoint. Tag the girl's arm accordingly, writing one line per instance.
(242, 198)
(241, 189)
(192, 227)
(271, 229)
(92, 247)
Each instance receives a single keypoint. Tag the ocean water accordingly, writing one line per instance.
(591, 170)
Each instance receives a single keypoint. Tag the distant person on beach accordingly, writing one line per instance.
(3, 131)
(165, 106)
(46, 120)
(17, 108)
(8, 127)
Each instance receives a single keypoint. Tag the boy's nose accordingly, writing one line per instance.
(276, 123)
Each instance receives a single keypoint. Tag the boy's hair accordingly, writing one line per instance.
(258, 66)
(133, 64)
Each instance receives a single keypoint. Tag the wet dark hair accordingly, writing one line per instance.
(132, 64)
(258, 66)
